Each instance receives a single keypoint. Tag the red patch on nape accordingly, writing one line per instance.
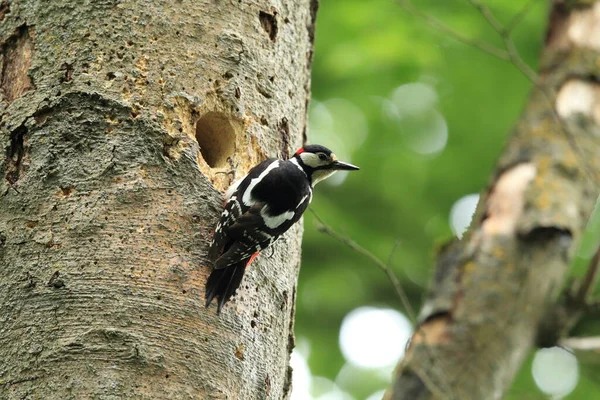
(300, 150)
(252, 258)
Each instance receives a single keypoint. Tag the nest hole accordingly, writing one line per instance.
(216, 137)
(269, 23)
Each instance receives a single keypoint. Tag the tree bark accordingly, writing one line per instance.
(121, 123)
(494, 291)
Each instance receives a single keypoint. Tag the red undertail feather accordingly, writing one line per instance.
(252, 258)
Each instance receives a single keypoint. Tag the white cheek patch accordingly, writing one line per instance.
(310, 159)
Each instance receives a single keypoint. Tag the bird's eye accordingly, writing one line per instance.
(322, 157)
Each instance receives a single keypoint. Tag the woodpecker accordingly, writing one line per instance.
(259, 208)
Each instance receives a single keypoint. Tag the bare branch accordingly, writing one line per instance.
(391, 256)
(510, 53)
(385, 267)
(518, 18)
(516, 59)
(581, 343)
(488, 15)
(589, 281)
(509, 44)
(324, 228)
(440, 26)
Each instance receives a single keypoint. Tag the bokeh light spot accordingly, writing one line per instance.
(376, 395)
(340, 125)
(300, 377)
(374, 338)
(412, 110)
(362, 382)
(414, 98)
(424, 133)
(555, 371)
(325, 389)
(462, 212)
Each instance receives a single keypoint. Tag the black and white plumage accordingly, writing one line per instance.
(259, 208)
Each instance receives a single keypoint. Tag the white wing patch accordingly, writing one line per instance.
(238, 208)
(297, 164)
(276, 220)
(232, 188)
(247, 198)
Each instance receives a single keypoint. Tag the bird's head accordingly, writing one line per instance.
(320, 163)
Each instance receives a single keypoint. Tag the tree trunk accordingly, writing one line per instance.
(121, 123)
(495, 289)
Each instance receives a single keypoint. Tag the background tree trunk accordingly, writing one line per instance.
(121, 121)
(494, 289)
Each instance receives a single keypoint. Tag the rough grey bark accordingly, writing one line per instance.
(121, 122)
(494, 291)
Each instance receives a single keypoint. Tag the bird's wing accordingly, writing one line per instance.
(234, 209)
(249, 235)
(256, 230)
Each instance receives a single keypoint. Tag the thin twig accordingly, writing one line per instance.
(589, 280)
(518, 18)
(509, 44)
(385, 267)
(393, 252)
(516, 59)
(488, 15)
(440, 26)
(510, 53)
(581, 343)
(324, 228)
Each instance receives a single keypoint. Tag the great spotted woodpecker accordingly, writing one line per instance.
(259, 208)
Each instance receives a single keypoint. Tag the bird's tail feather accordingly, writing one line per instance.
(222, 283)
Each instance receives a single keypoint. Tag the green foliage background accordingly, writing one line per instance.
(364, 50)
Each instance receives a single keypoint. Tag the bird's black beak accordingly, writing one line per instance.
(342, 166)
